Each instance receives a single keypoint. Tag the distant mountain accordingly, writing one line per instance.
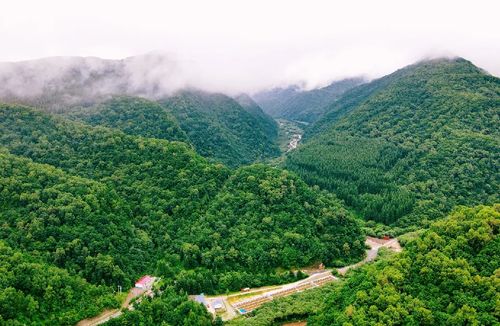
(295, 104)
(108, 93)
(215, 124)
(62, 81)
(220, 128)
(254, 109)
(410, 146)
(273, 101)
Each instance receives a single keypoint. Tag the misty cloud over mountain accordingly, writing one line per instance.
(72, 80)
(56, 81)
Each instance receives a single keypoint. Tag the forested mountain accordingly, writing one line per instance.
(108, 207)
(132, 115)
(254, 109)
(292, 103)
(446, 275)
(115, 93)
(216, 125)
(222, 129)
(410, 146)
(99, 186)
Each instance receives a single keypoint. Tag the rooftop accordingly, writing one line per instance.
(145, 279)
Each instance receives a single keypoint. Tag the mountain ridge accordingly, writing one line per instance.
(292, 103)
(219, 127)
(420, 140)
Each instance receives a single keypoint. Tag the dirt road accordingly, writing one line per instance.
(374, 244)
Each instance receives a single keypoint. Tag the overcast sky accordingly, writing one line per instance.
(246, 45)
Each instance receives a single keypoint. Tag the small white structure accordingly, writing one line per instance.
(145, 282)
(218, 305)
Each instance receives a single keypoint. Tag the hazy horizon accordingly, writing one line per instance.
(233, 47)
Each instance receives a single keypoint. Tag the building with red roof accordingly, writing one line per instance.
(145, 282)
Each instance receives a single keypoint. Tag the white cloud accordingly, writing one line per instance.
(233, 45)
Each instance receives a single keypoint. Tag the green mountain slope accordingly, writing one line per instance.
(294, 104)
(132, 115)
(447, 276)
(67, 220)
(105, 207)
(216, 125)
(269, 124)
(34, 292)
(408, 147)
(162, 201)
(113, 93)
(221, 129)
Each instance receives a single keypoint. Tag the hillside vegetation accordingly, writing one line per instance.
(132, 115)
(270, 126)
(446, 275)
(222, 129)
(35, 292)
(408, 147)
(217, 126)
(108, 207)
(292, 103)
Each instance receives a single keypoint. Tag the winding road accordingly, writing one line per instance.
(374, 244)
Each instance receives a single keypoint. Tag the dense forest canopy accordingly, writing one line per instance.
(132, 115)
(169, 308)
(108, 207)
(65, 219)
(98, 189)
(447, 276)
(217, 126)
(222, 129)
(408, 147)
(34, 292)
